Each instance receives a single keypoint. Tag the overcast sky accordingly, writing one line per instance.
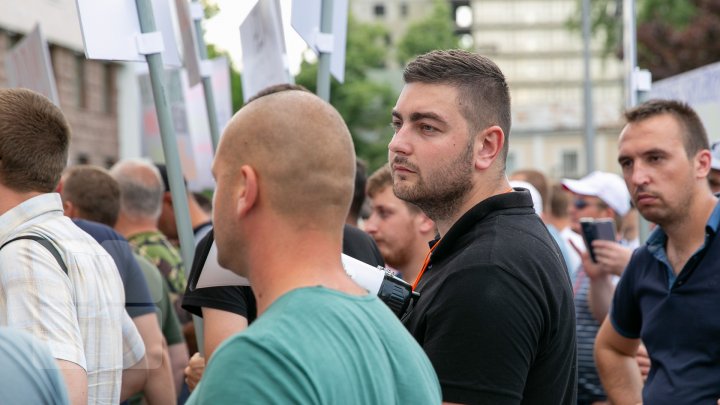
(223, 30)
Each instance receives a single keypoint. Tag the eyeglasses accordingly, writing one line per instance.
(582, 204)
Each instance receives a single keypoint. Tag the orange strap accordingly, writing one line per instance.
(425, 265)
(427, 258)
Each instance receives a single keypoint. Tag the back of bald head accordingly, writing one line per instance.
(302, 151)
(141, 188)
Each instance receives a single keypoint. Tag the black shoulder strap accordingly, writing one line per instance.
(47, 244)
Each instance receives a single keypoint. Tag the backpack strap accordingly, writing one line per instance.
(47, 244)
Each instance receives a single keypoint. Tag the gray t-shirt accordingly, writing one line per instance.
(29, 374)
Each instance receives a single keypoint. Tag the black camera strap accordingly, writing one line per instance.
(47, 244)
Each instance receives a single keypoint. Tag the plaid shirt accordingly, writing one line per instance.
(81, 315)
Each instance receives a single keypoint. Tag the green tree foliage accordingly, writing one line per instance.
(436, 31)
(210, 8)
(365, 105)
(673, 36)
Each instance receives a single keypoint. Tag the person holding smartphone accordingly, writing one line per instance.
(599, 202)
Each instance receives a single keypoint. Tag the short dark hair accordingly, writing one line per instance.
(94, 192)
(276, 88)
(484, 96)
(34, 139)
(694, 136)
(359, 190)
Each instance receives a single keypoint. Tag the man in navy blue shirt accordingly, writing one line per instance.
(669, 293)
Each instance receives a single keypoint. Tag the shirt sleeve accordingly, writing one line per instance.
(625, 315)
(498, 322)
(133, 346)
(274, 379)
(37, 296)
(138, 300)
(226, 298)
(170, 322)
(234, 299)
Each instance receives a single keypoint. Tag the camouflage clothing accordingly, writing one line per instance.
(158, 250)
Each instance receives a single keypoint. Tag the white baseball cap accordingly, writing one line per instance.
(715, 150)
(608, 187)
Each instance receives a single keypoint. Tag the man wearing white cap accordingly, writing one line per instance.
(597, 195)
(714, 175)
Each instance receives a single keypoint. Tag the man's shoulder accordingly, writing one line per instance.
(155, 247)
(506, 241)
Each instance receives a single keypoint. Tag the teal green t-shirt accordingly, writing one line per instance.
(319, 346)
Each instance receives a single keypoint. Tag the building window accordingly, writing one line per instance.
(82, 159)
(379, 10)
(80, 87)
(109, 162)
(403, 9)
(569, 163)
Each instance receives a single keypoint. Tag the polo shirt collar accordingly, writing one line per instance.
(27, 212)
(658, 238)
(453, 240)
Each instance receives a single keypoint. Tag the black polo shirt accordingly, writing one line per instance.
(240, 299)
(495, 314)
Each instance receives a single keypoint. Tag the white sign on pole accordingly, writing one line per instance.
(28, 65)
(198, 123)
(150, 130)
(263, 48)
(189, 119)
(339, 28)
(190, 50)
(110, 30)
(306, 21)
(701, 89)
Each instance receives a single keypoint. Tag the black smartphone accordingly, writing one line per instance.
(592, 229)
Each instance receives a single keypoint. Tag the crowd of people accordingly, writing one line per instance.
(516, 304)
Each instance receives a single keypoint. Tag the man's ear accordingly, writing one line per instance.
(69, 209)
(424, 223)
(167, 198)
(248, 193)
(703, 160)
(488, 145)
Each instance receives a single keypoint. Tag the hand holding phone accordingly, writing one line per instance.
(592, 229)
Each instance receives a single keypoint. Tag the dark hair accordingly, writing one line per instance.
(276, 88)
(484, 96)
(359, 190)
(94, 192)
(694, 136)
(34, 139)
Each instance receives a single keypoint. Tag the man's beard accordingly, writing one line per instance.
(442, 193)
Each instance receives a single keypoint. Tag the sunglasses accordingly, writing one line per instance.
(582, 204)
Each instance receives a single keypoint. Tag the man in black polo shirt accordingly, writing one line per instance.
(495, 313)
(668, 296)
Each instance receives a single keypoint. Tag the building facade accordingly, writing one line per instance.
(543, 61)
(86, 88)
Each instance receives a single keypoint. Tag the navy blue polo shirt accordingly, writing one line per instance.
(138, 300)
(677, 318)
